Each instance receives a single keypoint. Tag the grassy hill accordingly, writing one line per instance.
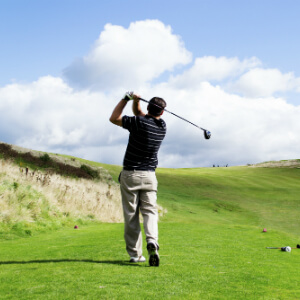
(211, 239)
(42, 192)
(262, 195)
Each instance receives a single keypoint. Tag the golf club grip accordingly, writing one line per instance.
(173, 114)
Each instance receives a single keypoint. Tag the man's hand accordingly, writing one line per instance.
(128, 96)
(131, 96)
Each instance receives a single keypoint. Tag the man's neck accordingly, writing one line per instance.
(155, 117)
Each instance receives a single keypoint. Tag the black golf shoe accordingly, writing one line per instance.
(153, 254)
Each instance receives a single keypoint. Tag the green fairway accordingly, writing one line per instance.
(211, 241)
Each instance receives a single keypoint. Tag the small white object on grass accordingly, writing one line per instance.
(286, 249)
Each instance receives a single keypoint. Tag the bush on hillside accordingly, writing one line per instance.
(45, 158)
(90, 171)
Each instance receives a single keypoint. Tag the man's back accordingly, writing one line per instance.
(146, 136)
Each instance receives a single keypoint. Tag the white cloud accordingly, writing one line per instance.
(129, 57)
(49, 114)
(260, 82)
(210, 68)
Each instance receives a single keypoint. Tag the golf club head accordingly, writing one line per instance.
(298, 246)
(207, 134)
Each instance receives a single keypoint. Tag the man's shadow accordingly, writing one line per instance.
(45, 261)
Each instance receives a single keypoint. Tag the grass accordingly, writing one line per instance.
(212, 245)
(197, 262)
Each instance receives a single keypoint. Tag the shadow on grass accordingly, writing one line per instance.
(45, 261)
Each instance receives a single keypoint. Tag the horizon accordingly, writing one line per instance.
(19, 148)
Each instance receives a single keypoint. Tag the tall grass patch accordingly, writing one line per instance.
(37, 201)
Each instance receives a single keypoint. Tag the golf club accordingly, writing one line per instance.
(298, 247)
(207, 134)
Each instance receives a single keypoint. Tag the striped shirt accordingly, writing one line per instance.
(146, 136)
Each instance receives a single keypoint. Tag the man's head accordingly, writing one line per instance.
(156, 106)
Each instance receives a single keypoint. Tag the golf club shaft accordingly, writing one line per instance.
(175, 115)
(280, 247)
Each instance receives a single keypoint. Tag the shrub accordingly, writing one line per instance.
(45, 158)
(93, 173)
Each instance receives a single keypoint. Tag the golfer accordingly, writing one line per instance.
(137, 179)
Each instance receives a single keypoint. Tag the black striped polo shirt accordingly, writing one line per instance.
(146, 136)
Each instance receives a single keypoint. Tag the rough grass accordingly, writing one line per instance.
(72, 190)
(39, 201)
(43, 161)
(290, 163)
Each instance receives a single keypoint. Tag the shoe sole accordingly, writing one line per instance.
(154, 257)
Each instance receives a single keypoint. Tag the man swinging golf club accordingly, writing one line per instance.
(138, 180)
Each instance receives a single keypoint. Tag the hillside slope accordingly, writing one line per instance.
(38, 198)
(262, 197)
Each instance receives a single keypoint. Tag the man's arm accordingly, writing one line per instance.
(116, 116)
(136, 106)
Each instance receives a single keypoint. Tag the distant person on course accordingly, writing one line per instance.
(137, 179)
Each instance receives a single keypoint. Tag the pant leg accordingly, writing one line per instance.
(148, 207)
(130, 184)
(150, 216)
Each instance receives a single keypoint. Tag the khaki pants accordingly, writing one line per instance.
(139, 194)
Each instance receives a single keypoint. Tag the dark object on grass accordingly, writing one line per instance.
(286, 249)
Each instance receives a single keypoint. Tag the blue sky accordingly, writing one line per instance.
(244, 52)
(42, 37)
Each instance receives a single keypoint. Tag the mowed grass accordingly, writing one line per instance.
(211, 239)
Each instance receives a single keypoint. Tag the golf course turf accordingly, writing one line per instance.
(212, 244)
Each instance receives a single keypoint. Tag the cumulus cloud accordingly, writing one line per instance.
(260, 82)
(255, 125)
(49, 115)
(210, 68)
(129, 57)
